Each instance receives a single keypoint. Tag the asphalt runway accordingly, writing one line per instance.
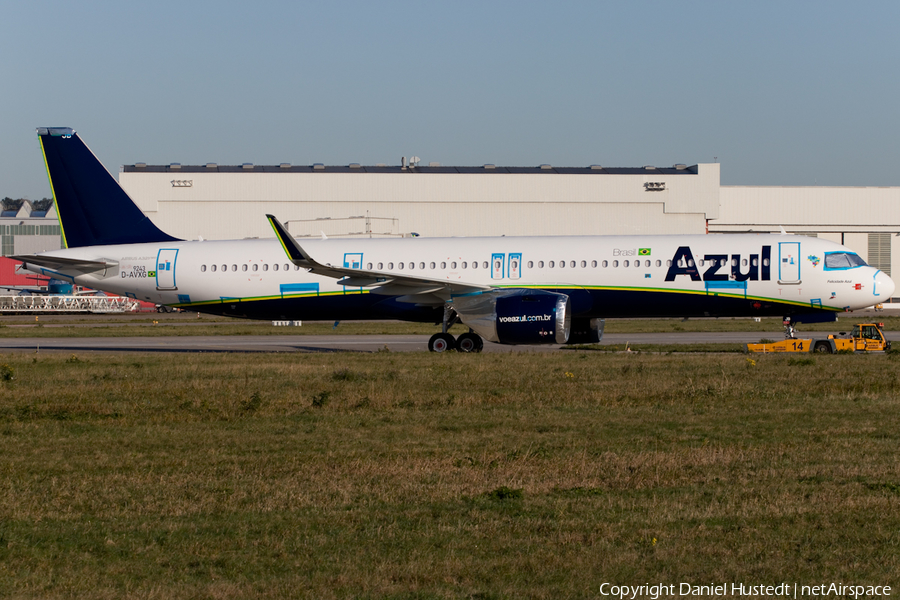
(338, 343)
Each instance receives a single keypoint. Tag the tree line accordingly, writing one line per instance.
(15, 204)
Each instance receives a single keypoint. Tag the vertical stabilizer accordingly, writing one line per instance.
(93, 208)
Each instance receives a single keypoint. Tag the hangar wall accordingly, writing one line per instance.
(230, 202)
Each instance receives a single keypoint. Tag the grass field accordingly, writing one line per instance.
(418, 475)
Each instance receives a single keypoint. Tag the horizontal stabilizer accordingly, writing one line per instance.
(63, 264)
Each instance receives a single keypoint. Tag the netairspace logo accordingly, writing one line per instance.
(736, 590)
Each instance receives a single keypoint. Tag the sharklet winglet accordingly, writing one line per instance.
(293, 250)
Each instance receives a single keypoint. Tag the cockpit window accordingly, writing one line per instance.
(843, 260)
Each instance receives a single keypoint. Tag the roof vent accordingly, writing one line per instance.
(681, 167)
(354, 165)
(285, 165)
(490, 166)
(140, 165)
(318, 166)
(596, 167)
(248, 166)
(211, 165)
(649, 168)
(546, 167)
(175, 166)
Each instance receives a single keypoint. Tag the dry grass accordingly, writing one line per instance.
(444, 476)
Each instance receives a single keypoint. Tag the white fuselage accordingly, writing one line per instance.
(782, 271)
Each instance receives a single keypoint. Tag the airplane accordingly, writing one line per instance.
(510, 290)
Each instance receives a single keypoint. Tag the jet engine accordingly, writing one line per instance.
(517, 316)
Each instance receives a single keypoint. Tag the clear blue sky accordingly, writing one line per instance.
(783, 93)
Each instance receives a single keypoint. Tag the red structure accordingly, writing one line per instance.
(9, 277)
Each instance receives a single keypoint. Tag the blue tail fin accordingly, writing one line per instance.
(93, 209)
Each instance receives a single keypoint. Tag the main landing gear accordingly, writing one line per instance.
(442, 342)
(467, 342)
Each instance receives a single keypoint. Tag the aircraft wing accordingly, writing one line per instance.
(392, 284)
(59, 263)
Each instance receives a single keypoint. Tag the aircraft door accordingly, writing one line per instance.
(165, 269)
(353, 261)
(515, 265)
(497, 266)
(789, 262)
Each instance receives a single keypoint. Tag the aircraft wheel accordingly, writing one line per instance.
(822, 348)
(441, 342)
(469, 342)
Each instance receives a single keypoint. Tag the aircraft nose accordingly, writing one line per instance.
(884, 286)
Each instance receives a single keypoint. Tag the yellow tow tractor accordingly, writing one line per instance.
(866, 337)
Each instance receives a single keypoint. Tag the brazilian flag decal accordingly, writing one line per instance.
(643, 251)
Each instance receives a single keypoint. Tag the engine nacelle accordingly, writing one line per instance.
(518, 316)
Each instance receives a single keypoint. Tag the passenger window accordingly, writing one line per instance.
(765, 262)
(465, 265)
(244, 267)
(474, 264)
(213, 268)
(755, 262)
(701, 262)
(265, 267)
(594, 263)
(691, 262)
(203, 268)
(422, 265)
(668, 263)
(562, 264)
(605, 264)
(530, 264)
(625, 263)
(287, 267)
(368, 266)
(400, 266)
(275, 267)
(390, 266)
(583, 264)
(234, 267)
(432, 266)
(540, 264)
(616, 264)
(444, 265)
(646, 263)
(744, 262)
(380, 266)
(551, 264)
(256, 267)
(224, 267)
(412, 266)
(453, 265)
(658, 263)
(484, 264)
